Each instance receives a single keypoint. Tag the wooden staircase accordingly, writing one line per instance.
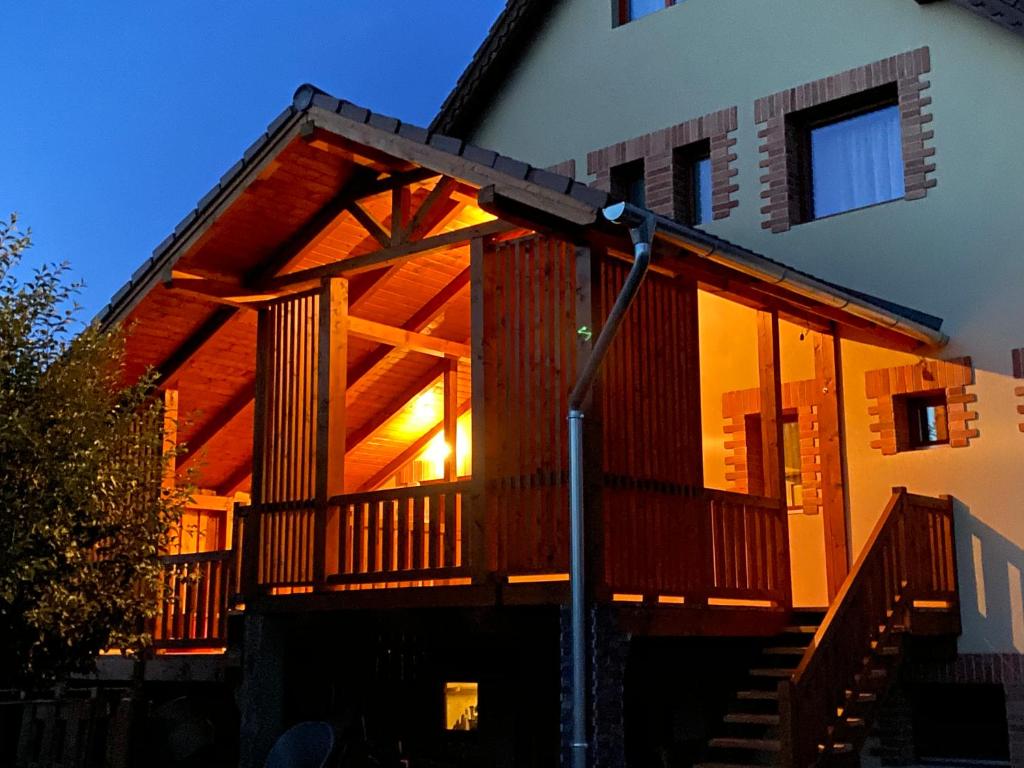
(813, 695)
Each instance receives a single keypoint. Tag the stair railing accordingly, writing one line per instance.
(909, 556)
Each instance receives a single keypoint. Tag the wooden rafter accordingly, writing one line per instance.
(424, 219)
(242, 397)
(420, 320)
(366, 220)
(399, 337)
(410, 453)
(186, 352)
(388, 256)
(386, 413)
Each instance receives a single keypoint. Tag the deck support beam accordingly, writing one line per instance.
(332, 355)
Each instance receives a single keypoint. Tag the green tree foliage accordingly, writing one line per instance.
(83, 517)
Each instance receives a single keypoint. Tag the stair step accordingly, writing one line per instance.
(873, 674)
(749, 719)
(884, 650)
(839, 748)
(772, 672)
(788, 650)
(801, 629)
(757, 695)
(756, 745)
(861, 697)
(727, 765)
(854, 722)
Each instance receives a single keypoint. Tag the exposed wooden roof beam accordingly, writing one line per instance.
(420, 320)
(408, 454)
(422, 221)
(238, 402)
(186, 352)
(388, 256)
(385, 414)
(366, 220)
(399, 337)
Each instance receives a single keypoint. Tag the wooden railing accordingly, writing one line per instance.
(401, 535)
(705, 545)
(194, 612)
(279, 548)
(907, 564)
(749, 548)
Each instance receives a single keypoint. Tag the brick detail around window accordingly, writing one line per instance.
(781, 209)
(657, 149)
(743, 453)
(564, 168)
(1018, 373)
(949, 376)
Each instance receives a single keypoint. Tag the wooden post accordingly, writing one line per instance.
(770, 383)
(475, 519)
(170, 437)
(332, 368)
(769, 370)
(829, 380)
(450, 381)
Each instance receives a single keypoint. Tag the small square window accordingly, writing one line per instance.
(460, 704)
(628, 183)
(922, 420)
(631, 10)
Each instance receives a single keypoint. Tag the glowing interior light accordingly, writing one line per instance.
(426, 410)
(434, 456)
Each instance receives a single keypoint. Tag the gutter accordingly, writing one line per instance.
(641, 225)
(807, 286)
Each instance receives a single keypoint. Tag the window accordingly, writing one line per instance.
(628, 183)
(791, 455)
(631, 10)
(460, 705)
(856, 162)
(962, 723)
(927, 420)
(692, 182)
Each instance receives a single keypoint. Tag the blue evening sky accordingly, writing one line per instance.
(121, 115)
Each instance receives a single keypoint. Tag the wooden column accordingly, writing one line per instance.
(450, 381)
(170, 437)
(332, 366)
(769, 375)
(480, 551)
(829, 380)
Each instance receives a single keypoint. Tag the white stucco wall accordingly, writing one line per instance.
(957, 253)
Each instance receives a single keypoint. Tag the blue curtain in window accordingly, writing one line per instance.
(857, 162)
(702, 201)
(638, 8)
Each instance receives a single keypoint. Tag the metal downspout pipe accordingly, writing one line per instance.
(641, 229)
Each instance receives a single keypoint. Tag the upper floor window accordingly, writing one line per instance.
(856, 161)
(628, 183)
(631, 10)
(692, 183)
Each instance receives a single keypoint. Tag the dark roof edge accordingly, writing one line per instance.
(495, 57)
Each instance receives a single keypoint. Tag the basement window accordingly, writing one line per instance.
(921, 420)
(628, 183)
(961, 724)
(460, 704)
(631, 10)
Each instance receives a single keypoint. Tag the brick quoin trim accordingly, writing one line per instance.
(950, 376)
(782, 206)
(660, 174)
(800, 396)
(1018, 373)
